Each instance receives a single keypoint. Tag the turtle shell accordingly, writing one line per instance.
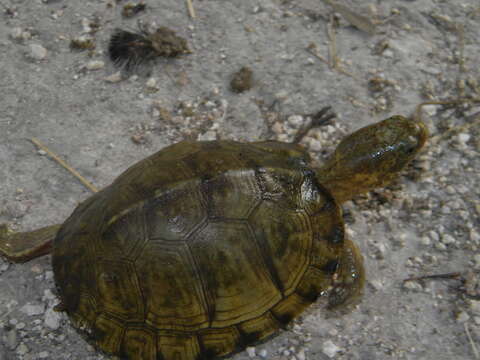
(200, 250)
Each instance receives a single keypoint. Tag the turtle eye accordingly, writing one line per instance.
(411, 145)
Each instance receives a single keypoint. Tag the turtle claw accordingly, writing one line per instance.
(60, 307)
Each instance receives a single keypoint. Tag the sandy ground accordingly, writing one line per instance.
(426, 223)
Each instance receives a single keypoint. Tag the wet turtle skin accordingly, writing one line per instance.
(205, 248)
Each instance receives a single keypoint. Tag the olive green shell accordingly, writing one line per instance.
(200, 250)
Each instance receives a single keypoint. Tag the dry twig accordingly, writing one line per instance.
(453, 275)
(55, 157)
(472, 343)
(461, 46)
(191, 9)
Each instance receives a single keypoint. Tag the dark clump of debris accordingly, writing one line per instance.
(130, 9)
(82, 43)
(242, 80)
(131, 49)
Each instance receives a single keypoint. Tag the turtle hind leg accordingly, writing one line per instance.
(24, 246)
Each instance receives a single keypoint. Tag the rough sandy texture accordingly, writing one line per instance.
(426, 223)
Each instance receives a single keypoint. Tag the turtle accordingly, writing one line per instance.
(207, 247)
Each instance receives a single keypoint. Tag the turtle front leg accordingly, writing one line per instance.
(24, 246)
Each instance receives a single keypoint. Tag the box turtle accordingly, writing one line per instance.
(207, 247)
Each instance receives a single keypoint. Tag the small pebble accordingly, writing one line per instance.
(114, 78)
(376, 284)
(476, 258)
(300, 355)
(4, 267)
(474, 236)
(314, 145)
(474, 306)
(95, 65)
(462, 317)
(463, 137)
(43, 355)
(425, 240)
(412, 285)
(430, 110)
(52, 319)
(48, 275)
(86, 25)
(330, 349)
(22, 349)
(33, 309)
(295, 120)
(434, 236)
(151, 83)
(448, 239)
(207, 136)
(11, 339)
(37, 52)
(17, 33)
(277, 128)
(251, 351)
(263, 353)
(388, 53)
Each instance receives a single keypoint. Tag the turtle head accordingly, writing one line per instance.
(372, 156)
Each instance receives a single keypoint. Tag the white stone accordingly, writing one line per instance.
(95, 65)
(388, 53)
(412, 285)
(463, 317)
(263, 353)
(22, 349)
(430, 110)
(251, 351)
(434, 236)
(476, 258)
(474, 306)
(425, 240)
(295, 120)
(207, 136)
(463, 137)
(474, 236)
(48, 275)
(151, 83)
(330, 349)
(300, 355)
(114, 78)
(37, 52)
(52, 319)
(448, 239)
(33, 309)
